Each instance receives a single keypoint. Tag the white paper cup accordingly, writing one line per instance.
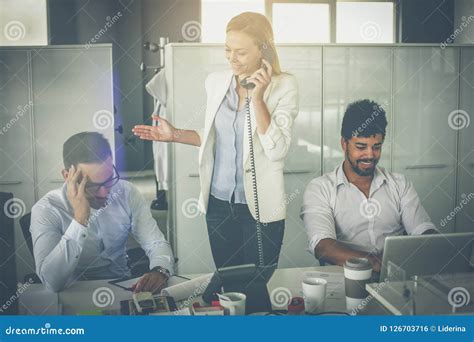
(314, 294)
(235, 306)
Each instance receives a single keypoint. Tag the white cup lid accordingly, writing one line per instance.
(358, 264)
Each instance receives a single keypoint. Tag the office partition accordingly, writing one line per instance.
(425, 92)
(417, 85)
(463, 121)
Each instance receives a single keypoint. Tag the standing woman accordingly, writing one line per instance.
(227, 191)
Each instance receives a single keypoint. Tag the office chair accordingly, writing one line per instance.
(137, 261)
(7, 257)
(25, 223)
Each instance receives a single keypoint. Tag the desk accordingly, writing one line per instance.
(79, 297)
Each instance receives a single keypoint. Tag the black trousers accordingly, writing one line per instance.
(233, 235)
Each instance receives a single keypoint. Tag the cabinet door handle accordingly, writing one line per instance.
(193, 175)
(57, 180)
(13, 182)
(289, 172)
(427, 166)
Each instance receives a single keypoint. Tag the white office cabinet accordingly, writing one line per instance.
(187, 67)
(464, 206)
(424, 145)
(303, 161)
(352, 74)
(16, 137)
(72, 89)
(46, 96)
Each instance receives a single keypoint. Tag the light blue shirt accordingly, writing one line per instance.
(228, 176)
(66, 251)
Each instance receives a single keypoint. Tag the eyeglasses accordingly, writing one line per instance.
(94, 187)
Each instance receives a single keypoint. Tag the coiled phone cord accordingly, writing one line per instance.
(261, 262)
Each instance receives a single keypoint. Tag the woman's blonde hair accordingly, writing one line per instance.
(258, 27)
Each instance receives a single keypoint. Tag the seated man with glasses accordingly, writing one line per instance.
(80, 231)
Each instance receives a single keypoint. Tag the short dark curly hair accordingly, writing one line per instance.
(86, 147)
(363, 118)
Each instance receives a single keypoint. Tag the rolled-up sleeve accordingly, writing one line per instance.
(145, 230)
(414, 217)
(317, 214)
(200, 133)
(277, 138)
(56, 254)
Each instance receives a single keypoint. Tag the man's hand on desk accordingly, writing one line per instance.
(337, 253)
(151, 282)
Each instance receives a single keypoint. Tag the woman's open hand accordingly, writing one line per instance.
(164, 131)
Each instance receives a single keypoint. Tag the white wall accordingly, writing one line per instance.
(464, 9)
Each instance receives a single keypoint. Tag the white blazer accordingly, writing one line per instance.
(270, 149)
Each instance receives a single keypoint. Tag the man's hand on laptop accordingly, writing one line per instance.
(77, 196)
(376, 261)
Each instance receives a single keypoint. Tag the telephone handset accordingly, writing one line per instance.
(267, 54)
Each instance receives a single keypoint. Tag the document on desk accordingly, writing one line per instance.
(125, 284)
(335, 282)
(128, 284)
(188, 289)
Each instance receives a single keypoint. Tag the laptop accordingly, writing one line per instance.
(427, 254)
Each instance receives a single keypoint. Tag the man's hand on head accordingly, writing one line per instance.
(76, 195)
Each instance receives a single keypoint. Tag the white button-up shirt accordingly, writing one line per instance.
(66, 251)
(336, 209)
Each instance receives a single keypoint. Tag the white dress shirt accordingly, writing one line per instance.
(66, 251)
(336, 209)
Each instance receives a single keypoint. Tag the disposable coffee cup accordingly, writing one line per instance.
(357, 273)
(314, 294)
(233, 303)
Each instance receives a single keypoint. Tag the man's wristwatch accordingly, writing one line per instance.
(161, 270)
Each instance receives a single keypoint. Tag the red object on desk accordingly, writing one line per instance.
(296, 306)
